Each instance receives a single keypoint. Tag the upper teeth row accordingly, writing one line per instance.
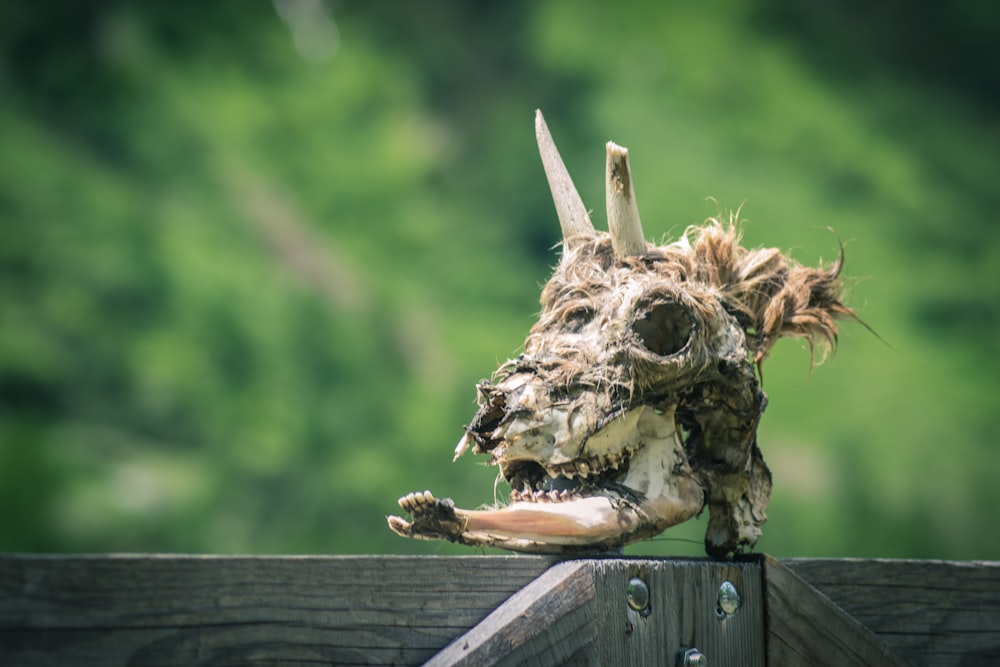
(589, 466)
(573, 468)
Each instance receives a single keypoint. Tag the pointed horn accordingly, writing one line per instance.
(572, 214)
(623, 214)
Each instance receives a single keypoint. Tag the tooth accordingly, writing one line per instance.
(563, 495)
(583, 468)
(515, 495)
(553, 496)
(539, 496)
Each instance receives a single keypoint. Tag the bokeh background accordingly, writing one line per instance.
(254, 256)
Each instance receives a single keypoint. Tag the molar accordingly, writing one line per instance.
(567, 470)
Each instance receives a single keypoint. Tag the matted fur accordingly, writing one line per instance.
(636, 400)
(770, 295)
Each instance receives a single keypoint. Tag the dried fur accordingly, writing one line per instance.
(640, 385)
(770, 295)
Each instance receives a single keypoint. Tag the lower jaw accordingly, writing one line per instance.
(657, 499)
(595, 521)
(582, 521)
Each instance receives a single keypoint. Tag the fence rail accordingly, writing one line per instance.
(494, 610)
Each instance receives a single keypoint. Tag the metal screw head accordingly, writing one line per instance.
(637, 595)
(729, 598)
(692, 657)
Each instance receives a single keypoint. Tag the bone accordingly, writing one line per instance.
(416, 501)
(623, 214)
(596, 407)
(567, 470)
(584, 521)
(573, 218)
(463, 446)
(399, 526)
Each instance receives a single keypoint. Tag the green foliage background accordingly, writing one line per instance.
(254, 256)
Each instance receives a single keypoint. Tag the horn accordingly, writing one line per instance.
(572, 214)
(623, 214)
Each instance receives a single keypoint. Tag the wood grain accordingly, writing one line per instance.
(191, 610)
(548, 622)
(683, 612)
(366, 610)
(805, 628)
(577, 614)
(934, 613)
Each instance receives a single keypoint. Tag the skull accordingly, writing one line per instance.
(636, 401)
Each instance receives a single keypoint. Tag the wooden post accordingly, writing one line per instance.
(578, 614)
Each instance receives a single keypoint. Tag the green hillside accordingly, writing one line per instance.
(255, 256)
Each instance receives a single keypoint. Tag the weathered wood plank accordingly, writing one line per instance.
(935, 613)
(170, 610)
(683, 612)
(186, 610)
(577, 614)
(547, 623)
(805, 628)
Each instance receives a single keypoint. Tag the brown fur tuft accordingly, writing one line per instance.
(769, 294)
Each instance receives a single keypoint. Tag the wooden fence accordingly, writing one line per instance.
(495, 610)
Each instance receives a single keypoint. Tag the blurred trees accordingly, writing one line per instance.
(249, 275)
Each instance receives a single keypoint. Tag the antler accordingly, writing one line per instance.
(572, 214)
(623, 214)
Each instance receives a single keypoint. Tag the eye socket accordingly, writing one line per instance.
(665, 329)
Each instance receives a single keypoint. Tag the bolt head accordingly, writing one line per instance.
(729, 598)
(637, 595)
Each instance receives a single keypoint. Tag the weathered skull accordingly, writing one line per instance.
(636, 400)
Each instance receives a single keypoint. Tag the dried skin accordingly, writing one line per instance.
(636, 401)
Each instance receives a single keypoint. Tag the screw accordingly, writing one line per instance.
(637, 595)
(729, 598)
(692, 657)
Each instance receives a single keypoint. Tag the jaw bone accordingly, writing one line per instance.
(657, 491)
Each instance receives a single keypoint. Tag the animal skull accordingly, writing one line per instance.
(636, 400)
